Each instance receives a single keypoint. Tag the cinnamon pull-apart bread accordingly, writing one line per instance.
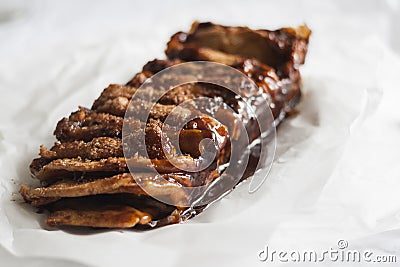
(98, 175)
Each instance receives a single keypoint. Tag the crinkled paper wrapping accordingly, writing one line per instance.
(336, 174)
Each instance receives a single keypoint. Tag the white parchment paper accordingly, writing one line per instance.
(336, 175)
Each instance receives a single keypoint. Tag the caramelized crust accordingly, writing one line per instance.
(86, 124)
(78, 168)
(161, 185)
(104, 217)
(282, 49)
(97, 148)
(85, 176)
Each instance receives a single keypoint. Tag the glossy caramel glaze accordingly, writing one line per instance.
(85, 176)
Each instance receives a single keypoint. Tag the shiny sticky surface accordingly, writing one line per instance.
(336, 175)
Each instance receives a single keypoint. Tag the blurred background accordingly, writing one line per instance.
(336, 174)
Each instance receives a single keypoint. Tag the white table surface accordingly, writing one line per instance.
(337, 173)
